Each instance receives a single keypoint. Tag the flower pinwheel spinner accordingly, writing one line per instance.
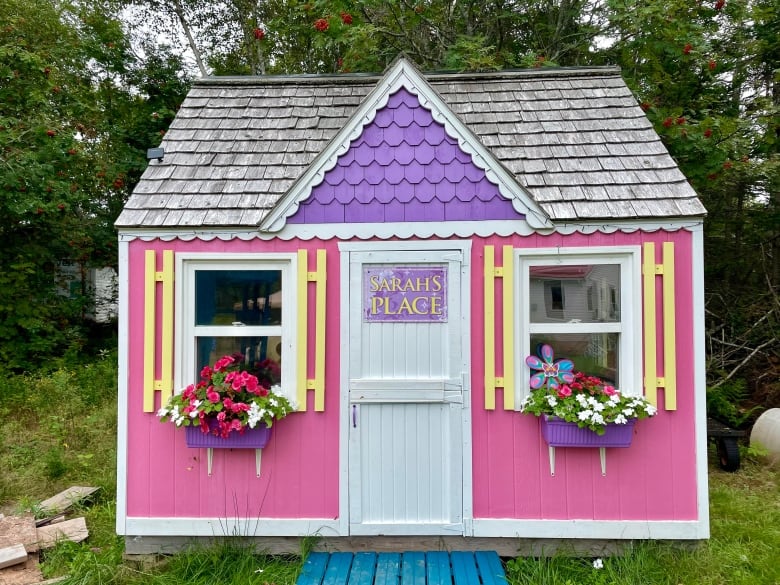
(551, 372)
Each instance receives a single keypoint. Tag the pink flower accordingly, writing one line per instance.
(223, 363)
(205, 373)
(189, 392)
(564, 391)
(251, 384)
(212, 395)
(610, 390)
(228, 404)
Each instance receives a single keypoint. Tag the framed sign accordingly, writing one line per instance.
(405, 294)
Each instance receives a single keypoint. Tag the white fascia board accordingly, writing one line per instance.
(404, 75)
(406, 230)
(592, 529)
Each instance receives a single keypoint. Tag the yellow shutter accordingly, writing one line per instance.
(507, 381)
(164, 278)
(317, 383)
(651, 271)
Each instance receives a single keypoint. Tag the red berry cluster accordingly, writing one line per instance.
(321, 24)
(346, 18)
(259, 33)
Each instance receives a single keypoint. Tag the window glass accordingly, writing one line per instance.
(261, 356)
(596, 354)
(577, 293)
(238, 297)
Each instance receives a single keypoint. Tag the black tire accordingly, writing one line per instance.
(728, 454)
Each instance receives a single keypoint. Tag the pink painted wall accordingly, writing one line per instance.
(299, 476)
(654, 479)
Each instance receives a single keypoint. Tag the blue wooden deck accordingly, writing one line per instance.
(409, 568)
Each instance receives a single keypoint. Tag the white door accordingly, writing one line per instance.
(407, 402)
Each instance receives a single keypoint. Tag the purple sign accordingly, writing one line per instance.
(401, 294)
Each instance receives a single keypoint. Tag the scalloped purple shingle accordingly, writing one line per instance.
(404, 167)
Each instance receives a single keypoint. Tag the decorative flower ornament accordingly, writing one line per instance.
(551, 372)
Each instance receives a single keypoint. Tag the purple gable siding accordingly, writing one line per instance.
(402, 168)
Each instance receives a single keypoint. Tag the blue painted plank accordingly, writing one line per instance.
(438, 568)
(413, 568)
(464, 570)
(337, 572)
(490, 568)
(388, 567)
(313, 569)
(363, 568)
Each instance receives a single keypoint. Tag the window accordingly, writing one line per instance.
(585, 303)
(242, 306)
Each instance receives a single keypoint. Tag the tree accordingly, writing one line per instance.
(72, 137)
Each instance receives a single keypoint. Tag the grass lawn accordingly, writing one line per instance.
(60, 430)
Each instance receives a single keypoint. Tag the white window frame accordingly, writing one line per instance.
(629, 327)
(186, 330)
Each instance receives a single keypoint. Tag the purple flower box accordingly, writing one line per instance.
(255, 438)
(559, 433)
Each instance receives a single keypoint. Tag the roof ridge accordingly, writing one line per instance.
(372, 78)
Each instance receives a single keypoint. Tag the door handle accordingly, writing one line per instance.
(354, 416)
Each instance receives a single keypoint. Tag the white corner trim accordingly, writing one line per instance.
(592, 529)
(403, 74)
(123, 348)
(166, 526)
(700, 379)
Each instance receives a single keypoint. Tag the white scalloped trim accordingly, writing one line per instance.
(403, 75)
(405, 231)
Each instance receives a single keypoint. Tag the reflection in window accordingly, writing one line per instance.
(593, 353)
(261, 356)
(247, 297)
(577, 293)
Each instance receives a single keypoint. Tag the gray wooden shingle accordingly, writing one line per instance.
(574, 139)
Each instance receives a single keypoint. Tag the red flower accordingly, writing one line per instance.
(72, 151)
(321, 24)
(708, 133)
(51, 133)
(645, 106)
(680, 121)
(720, 4)
(61, 207)
(346, 18)
(667, 123)
(259, 34)
(728, 164)
(687, 48)
(712, 64)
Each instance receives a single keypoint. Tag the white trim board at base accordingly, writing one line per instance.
(592, 529)
(218, 527)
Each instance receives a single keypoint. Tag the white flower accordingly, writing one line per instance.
(651, 410)
(597, 418)
(620, 420)
(162, 412)
(598, 564)
(194, 412)
(628, 411)
(552, 401)
(584, 414)
(580, 398)
(598, 407)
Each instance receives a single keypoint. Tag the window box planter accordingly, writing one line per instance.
(559, 433)
(256, 438)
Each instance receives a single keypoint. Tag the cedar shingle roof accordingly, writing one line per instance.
(574, 139)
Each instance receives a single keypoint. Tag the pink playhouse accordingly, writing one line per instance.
(396, 246)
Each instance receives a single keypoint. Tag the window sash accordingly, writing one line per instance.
(187, 332)
(628, 327)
